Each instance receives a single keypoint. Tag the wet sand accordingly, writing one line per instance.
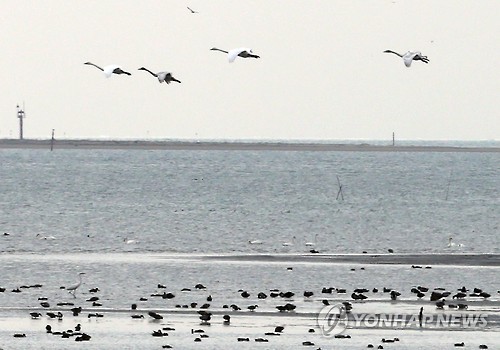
(229, 146)
(116, 329)
(419, 260)
(119, 331)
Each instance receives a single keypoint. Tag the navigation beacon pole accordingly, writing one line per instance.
(21, 115)
(52, 141)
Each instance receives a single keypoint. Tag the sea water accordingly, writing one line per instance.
(132, 220)
(216, 201)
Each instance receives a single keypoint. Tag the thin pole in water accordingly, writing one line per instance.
(339, 193)
(52, 141)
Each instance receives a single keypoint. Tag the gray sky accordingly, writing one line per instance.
(321, 76)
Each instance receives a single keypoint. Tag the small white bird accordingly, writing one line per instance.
(166, 77)
(311, 244)
(110, 69)
(241, 52)
(289, 244)
(410, 56)
(72, 289)
(39, 236)
(257, 241)
(129, 241)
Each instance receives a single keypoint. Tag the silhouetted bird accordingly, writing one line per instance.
(155, 315)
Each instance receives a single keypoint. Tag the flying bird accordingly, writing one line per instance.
(192, 11)
(166, 77)
(110, 69)
(410, 56)
(241, 52)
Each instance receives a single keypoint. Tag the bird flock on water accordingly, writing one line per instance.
(210, 310)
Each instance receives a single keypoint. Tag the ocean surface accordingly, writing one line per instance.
(243, 220)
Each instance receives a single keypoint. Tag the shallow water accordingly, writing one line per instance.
(124, 278)
(136, 334)
(191, 216)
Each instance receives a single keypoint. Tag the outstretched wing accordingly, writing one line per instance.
(162, 76)
(168, 78)
(231, 55)
(420, 57)
(109, 70)
(408, 58)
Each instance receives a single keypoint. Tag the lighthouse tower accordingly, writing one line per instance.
(21, 115)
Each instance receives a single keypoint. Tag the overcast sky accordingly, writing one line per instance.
(322, 74)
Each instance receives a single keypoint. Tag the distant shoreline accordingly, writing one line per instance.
(230, 146)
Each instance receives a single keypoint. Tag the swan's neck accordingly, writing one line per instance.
(95, 65)
(147, 70)
(216, 49)
(389, 51)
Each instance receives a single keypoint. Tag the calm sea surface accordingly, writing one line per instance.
(215, 202)
(135, 219)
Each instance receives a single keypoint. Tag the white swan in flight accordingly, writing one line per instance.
(241, 52)
(166, 77)
(110, 69)
(410, 56)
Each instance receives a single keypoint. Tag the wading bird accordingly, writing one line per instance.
(109, 70)
(453, 244)
(241, 52)
(72, 289)
(166, 77)
(410, 56)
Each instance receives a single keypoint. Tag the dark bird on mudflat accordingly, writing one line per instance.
(155, 315)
